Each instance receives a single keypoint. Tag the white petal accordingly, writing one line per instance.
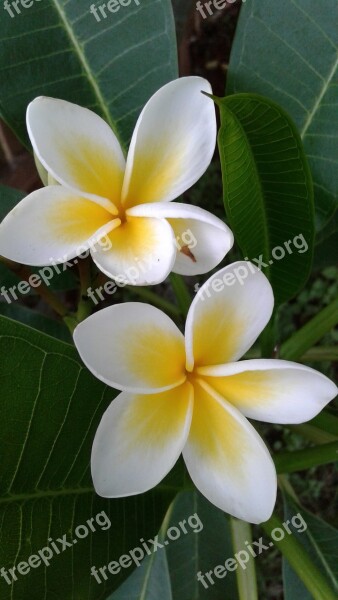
(276, 391)
(173, 143)
(77, 147)
(140, 252)
(227, 460)
(202, 240)
(133, 347)
(51, 226)
(139, 440)
(229, 312)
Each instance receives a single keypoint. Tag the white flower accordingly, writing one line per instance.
(190, 395)
(102, 194)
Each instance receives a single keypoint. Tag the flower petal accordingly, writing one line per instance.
(202, 240)
(141, 252)
(227, 460)
(133, 347)
(173, 143)
(229, 312)
(77, 147)
(276, 391)
(139, 440)
(51, 226)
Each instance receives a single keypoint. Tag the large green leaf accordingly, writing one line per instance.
(199, 550)
(321, 542)
(268, 190)
(150, 581)
(50, 406)
(203, 542)
(288, 51)
(36, 320)
(58, 48)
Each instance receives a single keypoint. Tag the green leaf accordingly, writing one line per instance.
(298, 460)
(288, 52)
(320, 540)
(57, 48)
(299, 559)
(267, 189)
(51, 406)
(313, 331)
(201, 551)
(203, 542)
(326, 248)
(150, 581)
(9, 197)
(36, 320)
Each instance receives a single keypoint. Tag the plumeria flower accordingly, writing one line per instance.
(99, 193)
(189, 394)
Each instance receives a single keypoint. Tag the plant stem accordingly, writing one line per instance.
(241, 533)
(313, 434)
(24, 273)
(311, 333)
(84, 308)
(301, 562)
(147, 294)
(181, 292)
(289, 462)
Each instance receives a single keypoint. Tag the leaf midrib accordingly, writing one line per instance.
(263, 203)
(83, 60)
(45, 494)
(317, 104)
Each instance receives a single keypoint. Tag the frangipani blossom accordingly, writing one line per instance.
(101, 194)
(188, 394)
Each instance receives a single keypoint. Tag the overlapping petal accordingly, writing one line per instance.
(202, 240)
(139, 440)
(227, 460)
(53, 225)
(229, 312)
(77, 147)
(173, 143)
(276, 391)
(133, 347)
(141, 252)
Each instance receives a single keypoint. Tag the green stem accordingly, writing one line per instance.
(241, 532)
(311, 333)
(181, 292)
(299, 460)
(327, 422)
(301, 562)
(85, 307)
(147, 294)
(24, 273)
(319, 354)
(313, 434)
(323, 429)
